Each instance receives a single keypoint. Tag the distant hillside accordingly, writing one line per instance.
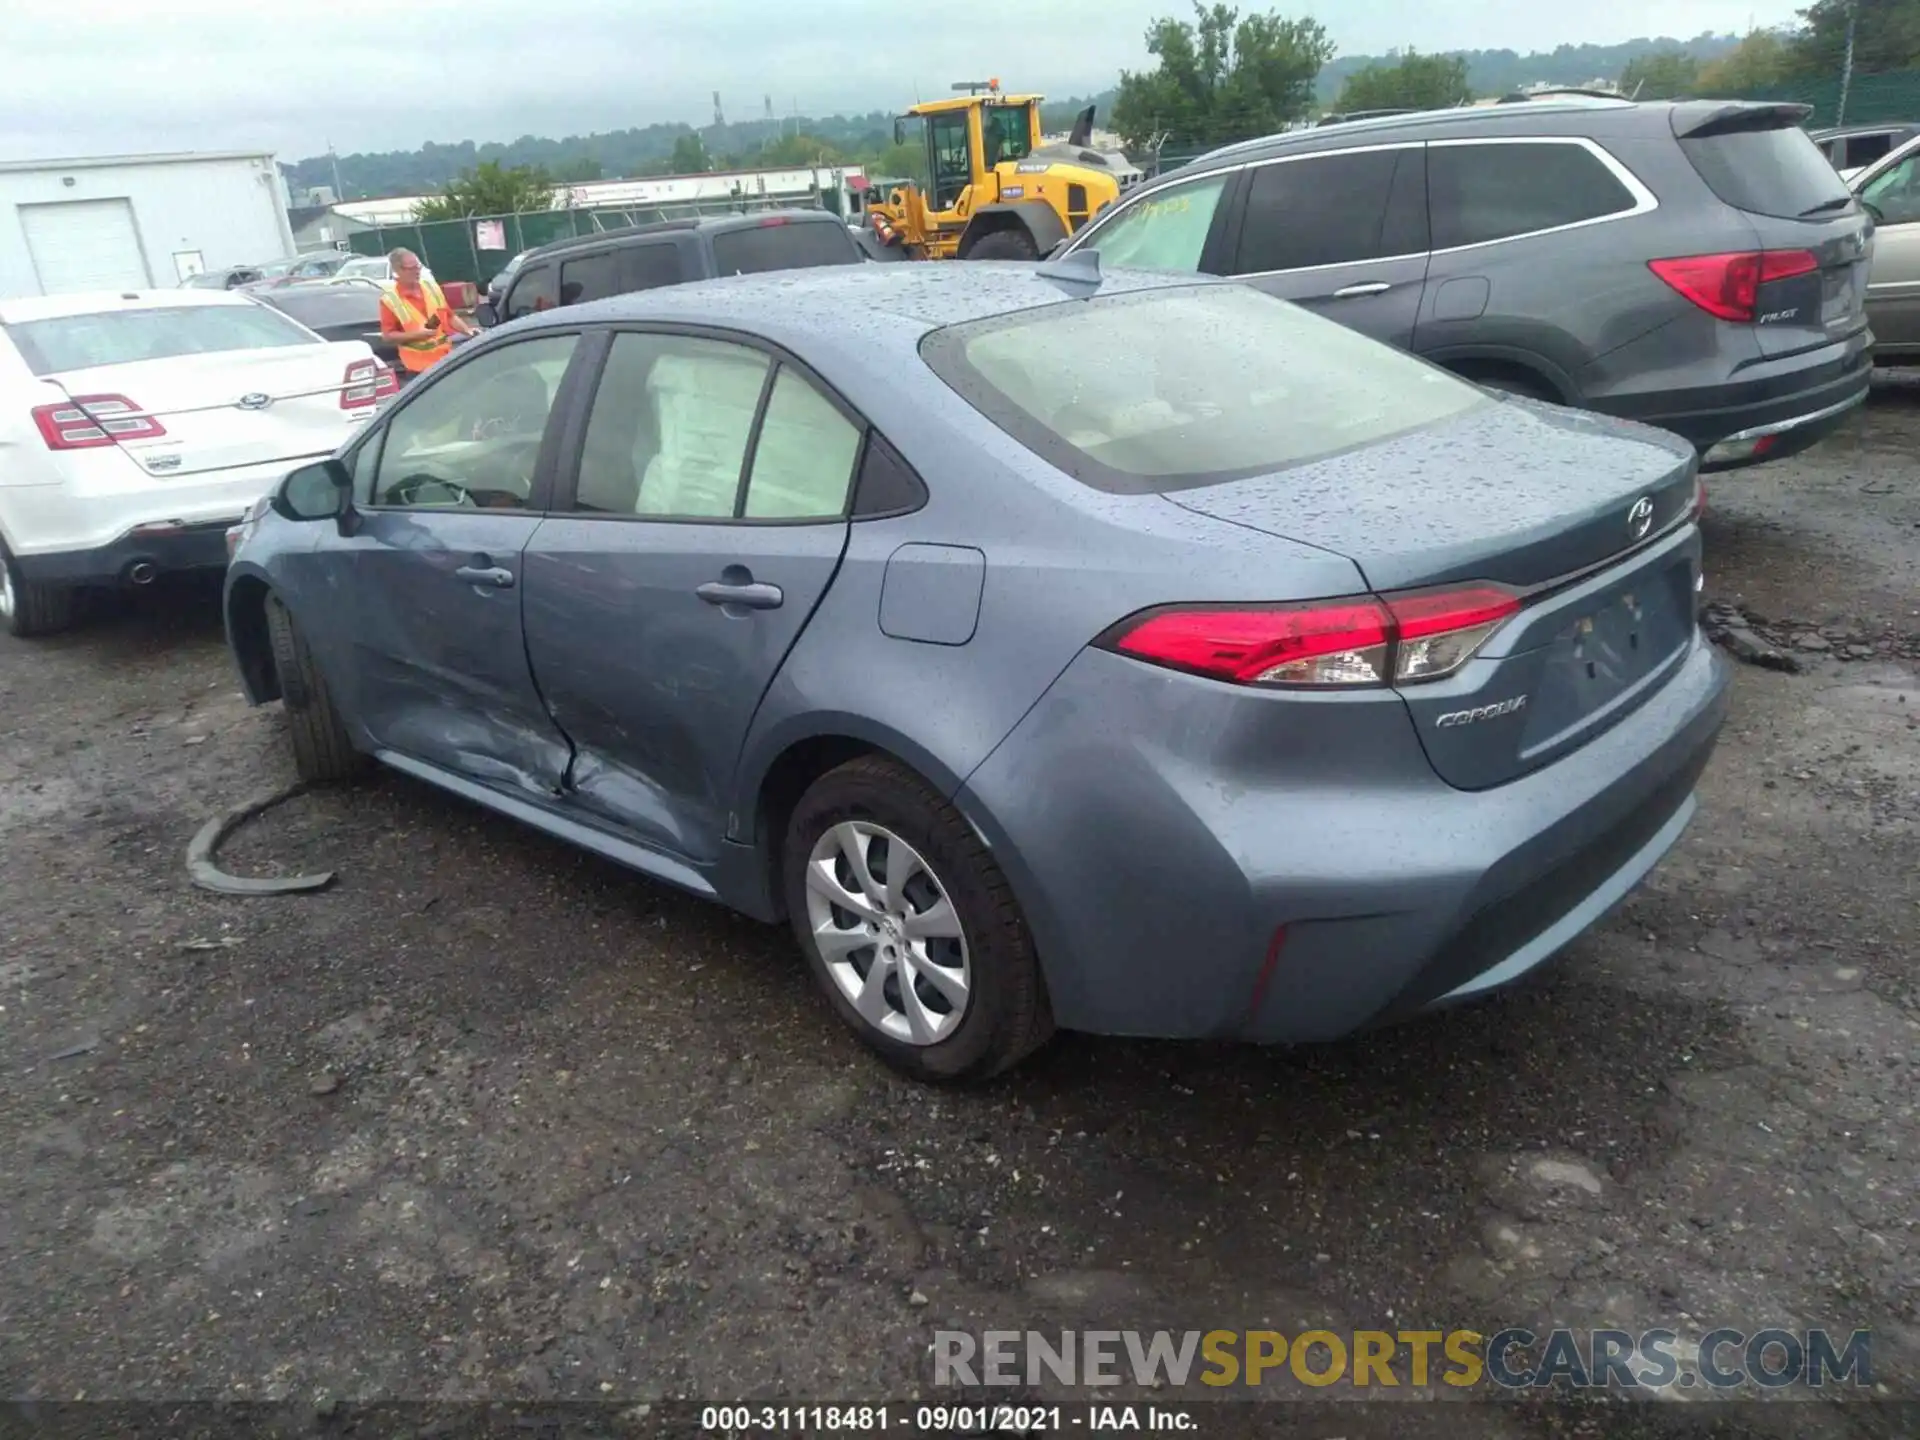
(867, 138)
(618, 154)
(1494, 72)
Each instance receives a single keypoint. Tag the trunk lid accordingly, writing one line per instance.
(233, 408)
(1584, 513)
(1757, 159)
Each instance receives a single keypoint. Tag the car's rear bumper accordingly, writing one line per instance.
(1779, 409)
(135, 557)
(96, 530)
(1307, 893)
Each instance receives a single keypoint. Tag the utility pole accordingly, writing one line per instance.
(1846, 66)
(338, 193)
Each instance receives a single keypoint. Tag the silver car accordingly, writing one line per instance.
(1890, 189)
(1138, 655)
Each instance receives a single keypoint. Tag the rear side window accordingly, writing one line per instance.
(647, 267)
(1169, 389)
(783, 246)
(536, 289)
(1482, 192)
(1333, 210)
(121, 337)
(589, 277)
(1776, 171)
(1863, 150)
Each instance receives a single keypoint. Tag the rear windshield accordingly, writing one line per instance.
(1777, 171)
(120, 337)
(783, 247)
(1170, 389)
(331, 305)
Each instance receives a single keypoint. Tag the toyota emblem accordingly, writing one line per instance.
(255, 401)
(1640, 517)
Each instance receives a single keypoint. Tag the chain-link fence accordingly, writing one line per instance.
(477, 248)
(1871, 99)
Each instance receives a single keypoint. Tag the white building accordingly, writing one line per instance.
(136, 221)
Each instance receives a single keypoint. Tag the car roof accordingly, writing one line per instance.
(1575, 114)
(708, 224)
(853, 308)
(54, 307)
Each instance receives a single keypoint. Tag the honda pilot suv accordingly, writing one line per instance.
(1697, 265)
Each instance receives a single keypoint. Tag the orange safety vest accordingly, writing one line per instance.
(417, 355)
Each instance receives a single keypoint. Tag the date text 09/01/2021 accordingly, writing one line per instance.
(940, 1419)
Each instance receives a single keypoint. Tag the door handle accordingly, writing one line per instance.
(1372, 287)
(751, 596)
(494, 575)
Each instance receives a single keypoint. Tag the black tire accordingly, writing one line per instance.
(36, 608)
(1012, 243)
(321, 748)
(1006, 1017)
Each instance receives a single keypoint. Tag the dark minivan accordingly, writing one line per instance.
(1697, 265)
(671, 252)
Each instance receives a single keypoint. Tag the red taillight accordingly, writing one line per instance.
(1359, 641)
(88, 422)
(367, 383)
(1699, 498)
(1729, 285)
(773, 220)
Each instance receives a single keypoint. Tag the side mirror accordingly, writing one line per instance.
(321, 491)
(899, 131)
(486, 314)
(1879, 215)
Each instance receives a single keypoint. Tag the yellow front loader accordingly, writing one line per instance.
(998, 192)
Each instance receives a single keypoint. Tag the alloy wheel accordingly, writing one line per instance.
(887, 933)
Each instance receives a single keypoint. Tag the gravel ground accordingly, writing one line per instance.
(491, 1119)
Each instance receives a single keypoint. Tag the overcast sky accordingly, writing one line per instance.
(89, 77)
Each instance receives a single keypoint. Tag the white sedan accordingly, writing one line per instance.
(136, 427)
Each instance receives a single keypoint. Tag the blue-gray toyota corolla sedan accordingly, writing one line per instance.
(1129, 654)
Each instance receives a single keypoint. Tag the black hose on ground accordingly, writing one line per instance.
(208, 876)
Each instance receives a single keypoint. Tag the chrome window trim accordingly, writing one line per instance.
(1644, 200)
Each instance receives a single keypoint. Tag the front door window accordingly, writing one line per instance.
(951, 158)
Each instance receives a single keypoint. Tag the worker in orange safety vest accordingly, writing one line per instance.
(415, 317)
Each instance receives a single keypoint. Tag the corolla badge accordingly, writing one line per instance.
(1640, 517)
(255, 401)
(1480, 712)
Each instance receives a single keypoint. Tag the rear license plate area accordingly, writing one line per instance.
(1608, 646)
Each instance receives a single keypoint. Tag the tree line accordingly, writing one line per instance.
(1219, 76)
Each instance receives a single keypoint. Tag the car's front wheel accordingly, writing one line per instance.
(30, 608)
(909, 925)
(322, 749)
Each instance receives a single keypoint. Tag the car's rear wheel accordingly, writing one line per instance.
(1008, 244)
(909, 926)
(29, 607)
(322, 749)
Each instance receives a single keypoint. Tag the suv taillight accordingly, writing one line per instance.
(366, 383)
(1728, 286)
(1364, 640)
(88, 422)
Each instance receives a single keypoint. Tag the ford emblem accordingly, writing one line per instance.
(255, 401)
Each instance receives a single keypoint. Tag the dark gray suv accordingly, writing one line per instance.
(1696, 265)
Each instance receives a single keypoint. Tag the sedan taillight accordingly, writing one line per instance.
(88, 422)
(367, 383)
(1364, 640)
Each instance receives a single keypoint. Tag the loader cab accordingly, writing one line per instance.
(967, 138)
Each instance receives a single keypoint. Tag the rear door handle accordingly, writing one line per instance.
(1372, 287)
(494, 575)
(751, 596)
